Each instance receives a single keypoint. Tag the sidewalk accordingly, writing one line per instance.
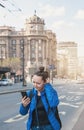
(59, 81)
(79, 125)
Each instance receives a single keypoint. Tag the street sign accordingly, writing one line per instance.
(51, 67)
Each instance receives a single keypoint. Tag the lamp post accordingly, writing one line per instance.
(1, 54)
(22, 48)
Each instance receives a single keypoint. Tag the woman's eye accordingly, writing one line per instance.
(36, 83)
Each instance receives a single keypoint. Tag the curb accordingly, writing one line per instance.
(77, 120)
(72, 123)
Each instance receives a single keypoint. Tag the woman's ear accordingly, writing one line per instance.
(47, 80)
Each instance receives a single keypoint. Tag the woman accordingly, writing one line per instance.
(42, 107)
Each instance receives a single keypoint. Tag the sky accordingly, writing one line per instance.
(63, 17)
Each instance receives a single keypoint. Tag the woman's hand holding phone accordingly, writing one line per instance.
(25, 99)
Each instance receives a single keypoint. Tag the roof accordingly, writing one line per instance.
(35, 19)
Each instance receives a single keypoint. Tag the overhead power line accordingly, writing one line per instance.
(2, 5)
(13, 8)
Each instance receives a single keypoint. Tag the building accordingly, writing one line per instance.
(67, 60)
(81, 67)
(31, 47)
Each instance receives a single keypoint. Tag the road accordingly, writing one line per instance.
(71, 99)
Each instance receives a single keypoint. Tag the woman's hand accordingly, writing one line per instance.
(25, 101)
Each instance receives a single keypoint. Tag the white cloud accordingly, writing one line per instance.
(80, 14)
(48, 11)
(71, 24)
(58, 24)
(61, 23)
(2, 12)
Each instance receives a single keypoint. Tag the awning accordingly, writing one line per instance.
(4, 70)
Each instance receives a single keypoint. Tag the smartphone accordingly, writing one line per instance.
(23, 93)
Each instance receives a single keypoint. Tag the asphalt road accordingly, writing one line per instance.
(71, 99)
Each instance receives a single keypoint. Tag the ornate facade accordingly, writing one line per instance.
(37, 45)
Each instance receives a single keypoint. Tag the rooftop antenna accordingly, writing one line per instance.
(34, 12)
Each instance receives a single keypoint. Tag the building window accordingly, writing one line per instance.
(39, 45)
(21, 43)
(33, 55)
(13, 48)
(40, 41)
(14, 55)
(2, 51)
(13, 42)
(39, 55)
(32, 48)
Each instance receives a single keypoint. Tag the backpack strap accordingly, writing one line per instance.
(55, 110)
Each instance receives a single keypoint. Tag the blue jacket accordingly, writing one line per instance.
(53, 102)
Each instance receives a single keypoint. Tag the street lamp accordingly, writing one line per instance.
(22, 48)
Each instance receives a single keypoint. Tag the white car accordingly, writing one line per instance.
(5, 82)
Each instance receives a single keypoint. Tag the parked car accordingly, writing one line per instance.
(10, 82)
(0, 82)
(5, 82)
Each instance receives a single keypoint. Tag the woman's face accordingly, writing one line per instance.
(38, 82)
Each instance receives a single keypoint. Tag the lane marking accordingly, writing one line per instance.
(18, 103)
(15, 118)
(61, 97)
(78, 93)
(68, 104)
(62, 112)
(79, 103)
